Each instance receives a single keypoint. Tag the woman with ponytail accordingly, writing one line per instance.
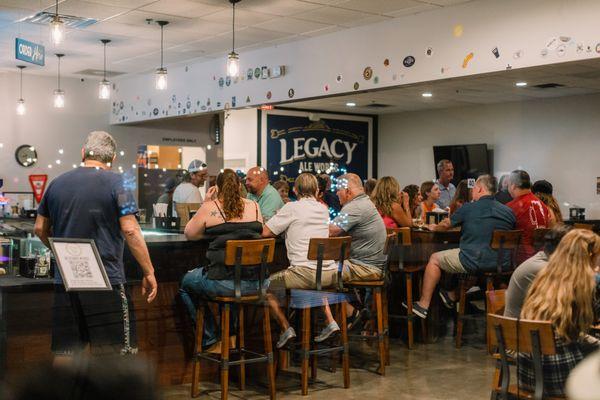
(563, 293)
(226, 215)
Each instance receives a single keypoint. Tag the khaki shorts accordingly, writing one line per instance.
(302, 278)
(450, 262)
(357, 272)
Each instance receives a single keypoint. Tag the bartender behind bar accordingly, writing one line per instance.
(92, 202)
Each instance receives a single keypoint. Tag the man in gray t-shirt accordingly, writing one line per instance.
(359, 218)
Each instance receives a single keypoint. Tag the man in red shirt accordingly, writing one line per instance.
(531, 213)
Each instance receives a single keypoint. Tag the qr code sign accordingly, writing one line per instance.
(81, 269)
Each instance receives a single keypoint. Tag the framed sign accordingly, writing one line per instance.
(80, 264)
(299, 141)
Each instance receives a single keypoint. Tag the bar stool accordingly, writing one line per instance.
(337, 249)
(381, 303)
(239, 254)
(506, 244)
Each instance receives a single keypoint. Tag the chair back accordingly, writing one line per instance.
(506, 243)
(539, 237)
(249, 254)
(496, 301)
(397, 251)
(184, 209)
(588, 227)
(335, 248)
(522, 336)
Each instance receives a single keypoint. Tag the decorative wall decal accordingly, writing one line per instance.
(561, 50)
(467, 59)
(203, 108)
(580, 47)
(173, 98)
(226, 106)
(233, 101)
(386, 62)
(188, 104)
(121, 105)
(264, 72)
(367, 73)
(356, 85)
(221, 82)
(429, 52)
(598, 48)
(186, 68)
(178, 105)
(247, 99)
(249, 74)
(208, 102)
(269, 95)
(408, 61)
(339, 78)
(326, 88)
(218, 104)
(228, 81)
(257, 72)
(496, 52)
(376, 80)
(458, 30)
(291, 93)
(508, 67)
(544, 52)
(518, 54)
(155, 111)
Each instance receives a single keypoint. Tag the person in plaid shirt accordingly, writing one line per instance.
(563, 293)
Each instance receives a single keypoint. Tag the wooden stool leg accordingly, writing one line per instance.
(269, 351)
(386, 326)
(488, 333)
(346, 353)
(305, 348)
(197, 350)
(409, 311)
(461, 312)
(225, 351)
(380, 331)
(241, 349)
(284, 355)
(313, 358)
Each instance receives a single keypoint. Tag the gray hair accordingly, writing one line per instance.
(351, 181)
(488, 182)
(520, 179)
(442, 164)
(100, 146)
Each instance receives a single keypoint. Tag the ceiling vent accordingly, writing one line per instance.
(70, 21)
(548, 86)
(98, 72)
(378, 105)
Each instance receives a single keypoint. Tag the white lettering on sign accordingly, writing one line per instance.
(308, 148)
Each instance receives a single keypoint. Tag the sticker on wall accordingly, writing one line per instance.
(186, 68)
(386, 62)
(588, 49)
(544, 52)
(198, 103)
(121, 105)
(218, 104)
(508, 67)
(247, 99)
(367, 73)
(178, 105)
(518, 54)
(173, 98)
(429, 51)
(149, 102)
(221, 82)
(264, 72)
(356, 85)
(208, 101)
(203, 108)
(291, 93)
(326, 88)
(269, 95)
(236, 79)
(188, 104)
(561, 50)
(131, 108)
(598, 48)
(228, 81)
(257, 72)
(339, 79)
(233, 101)
(226, 106)
(496, 52)
(467, 59)
(249, 74)
(155, 111)
(376, 80)
(408, 61)
(458, 30)
(580, 47)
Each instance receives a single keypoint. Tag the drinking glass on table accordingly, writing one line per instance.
(418, 222)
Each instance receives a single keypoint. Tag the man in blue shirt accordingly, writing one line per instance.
(91, 202)
(445, 171)
(478, 221)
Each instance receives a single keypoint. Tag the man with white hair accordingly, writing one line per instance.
(92, 202)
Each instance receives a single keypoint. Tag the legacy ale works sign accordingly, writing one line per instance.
(296, 144)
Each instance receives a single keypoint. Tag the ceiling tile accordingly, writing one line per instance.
(330, 15)
(378, 6)
(291, 25)
(89, 10)
(242, 17)
(278, 7)
(183, 8)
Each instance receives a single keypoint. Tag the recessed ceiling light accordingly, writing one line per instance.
(350, 104)
(427, 94)
(520, 84)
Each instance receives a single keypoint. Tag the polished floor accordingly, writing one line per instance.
(432, 371)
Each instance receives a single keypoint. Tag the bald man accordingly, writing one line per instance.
(259, 190)
(359, 218)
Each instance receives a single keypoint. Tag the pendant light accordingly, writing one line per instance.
(161, 73)
(59, 95)
(104, 87)
(57, 28)
(21, 103)
(233, 59)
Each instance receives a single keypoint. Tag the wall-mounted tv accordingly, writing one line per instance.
(469, 160)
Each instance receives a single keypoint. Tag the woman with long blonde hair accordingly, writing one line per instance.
(563, 293)
(392, 204)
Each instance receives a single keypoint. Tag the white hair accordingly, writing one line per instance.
(100, 146)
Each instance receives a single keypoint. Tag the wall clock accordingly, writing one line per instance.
(26, 155)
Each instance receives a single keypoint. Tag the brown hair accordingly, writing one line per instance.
(426, 187)
(412, 191)
(552, 204)
(230, 196)
(463, 195)
(281, 184)
(386, 193)
(563, 291)
(370, 186)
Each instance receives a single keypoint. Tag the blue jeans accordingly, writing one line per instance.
(196, 289)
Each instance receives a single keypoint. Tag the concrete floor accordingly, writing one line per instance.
(431, 371)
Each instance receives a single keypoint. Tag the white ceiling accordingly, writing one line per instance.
(198, 29)
(581, 77)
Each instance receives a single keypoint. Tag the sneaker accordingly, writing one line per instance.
(285, 337)
(418, 310)
(327, 332)
(448, 302)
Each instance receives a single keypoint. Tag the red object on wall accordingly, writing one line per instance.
(38, 185)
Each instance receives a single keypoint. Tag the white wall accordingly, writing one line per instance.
(240, 139)
(553, 139)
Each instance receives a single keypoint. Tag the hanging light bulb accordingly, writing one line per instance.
(233, 59)
(57, 28)
(104, 87)
(59, 94)
(161, 73)
(21, 103)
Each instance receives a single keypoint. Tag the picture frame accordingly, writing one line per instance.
(80, 265)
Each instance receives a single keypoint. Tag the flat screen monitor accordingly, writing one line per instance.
(469, 160)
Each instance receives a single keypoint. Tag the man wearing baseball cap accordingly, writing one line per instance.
(188, 190)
